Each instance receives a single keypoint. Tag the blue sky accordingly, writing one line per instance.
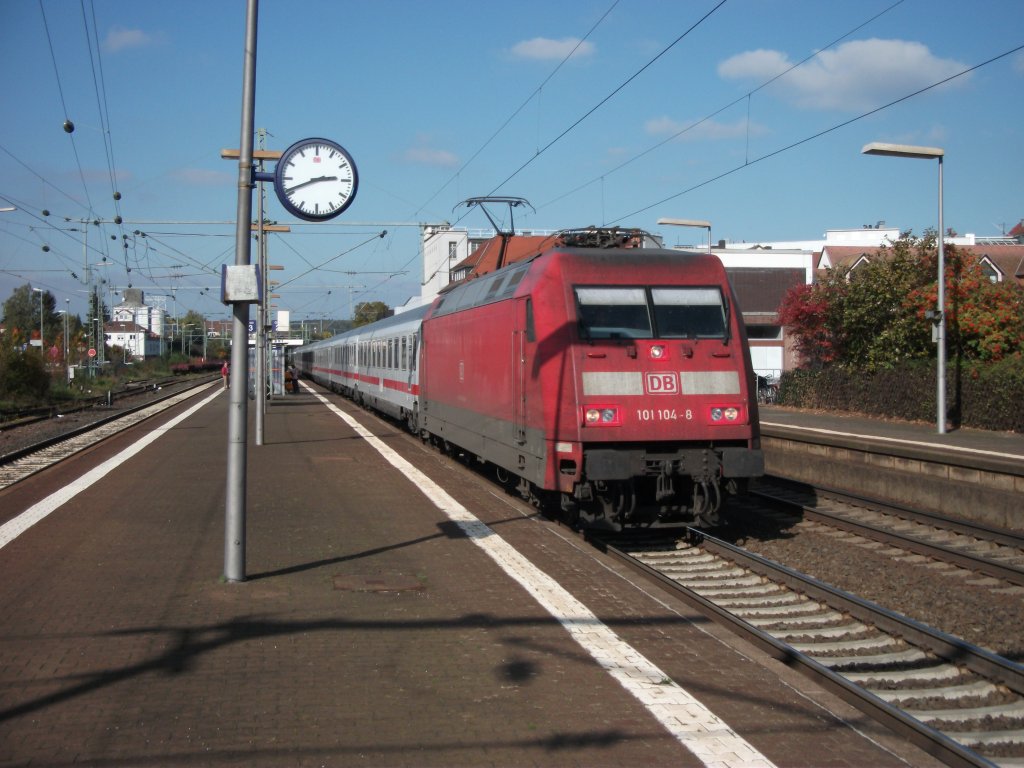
(596, 111)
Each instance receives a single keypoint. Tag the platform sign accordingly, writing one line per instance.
(283, 321)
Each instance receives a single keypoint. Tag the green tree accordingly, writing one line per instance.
(879, 328)
(367, 312)
(21, 315)
(191, 329)
(23, 375)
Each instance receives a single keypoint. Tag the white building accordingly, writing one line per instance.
(133, 309)
(137, 342)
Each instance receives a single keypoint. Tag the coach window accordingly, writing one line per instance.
(689, 313)
(405, 352)
(613, 313)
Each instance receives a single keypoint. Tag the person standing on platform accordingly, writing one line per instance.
(225, 373)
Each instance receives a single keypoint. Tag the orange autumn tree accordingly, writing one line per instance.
(873, 317)
(984, 318)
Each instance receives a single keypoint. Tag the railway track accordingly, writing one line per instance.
(23, 462)
(982, 549)
(961, 703)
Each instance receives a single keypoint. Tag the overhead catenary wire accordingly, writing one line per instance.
(334, 258)
(520, 108)
(607, 98)
(748, 163)
(745, 97)
(68, 125)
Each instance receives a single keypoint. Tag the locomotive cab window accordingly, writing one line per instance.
(613, 313)
(689, 313)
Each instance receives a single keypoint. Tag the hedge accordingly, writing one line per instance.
(988, 396)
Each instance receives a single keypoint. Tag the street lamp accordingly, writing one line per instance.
(690, 223)
(42, 344)
(65, 313)
(928, 153)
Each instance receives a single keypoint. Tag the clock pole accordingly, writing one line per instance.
(234, 506)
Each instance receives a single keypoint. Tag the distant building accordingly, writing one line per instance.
(133, 309)
(137, 342)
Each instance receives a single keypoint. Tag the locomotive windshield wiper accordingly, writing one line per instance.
(725, 307)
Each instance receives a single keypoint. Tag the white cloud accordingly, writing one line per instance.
(427, 156)
(756, 64)
(544, 48)
(858, 75)
(707, 130)
(120, 39)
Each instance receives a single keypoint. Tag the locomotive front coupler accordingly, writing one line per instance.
(665, 487)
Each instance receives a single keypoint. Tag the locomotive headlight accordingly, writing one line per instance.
(657, 352)
(601, 416)
(724, 414)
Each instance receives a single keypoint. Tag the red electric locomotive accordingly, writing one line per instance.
(615, 382)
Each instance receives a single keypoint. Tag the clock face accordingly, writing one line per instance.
(316, 179)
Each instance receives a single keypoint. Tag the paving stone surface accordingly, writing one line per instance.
(369, 631)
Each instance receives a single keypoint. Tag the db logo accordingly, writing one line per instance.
(662, 383)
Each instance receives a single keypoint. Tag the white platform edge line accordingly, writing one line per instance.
(16, 526)
(900, 440)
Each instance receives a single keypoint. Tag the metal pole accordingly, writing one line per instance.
(940, 393)
(234, 508)
(261, 352)
(42, 342)
(67, 346)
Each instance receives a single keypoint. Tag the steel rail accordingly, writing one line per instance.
(1009, 573)
(945, 646)
(959, 525)
(29, 460)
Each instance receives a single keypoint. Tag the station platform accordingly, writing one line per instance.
(977, 442)
(396, 611)
(971, 474)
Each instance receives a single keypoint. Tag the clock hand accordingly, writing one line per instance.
(311, 181)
